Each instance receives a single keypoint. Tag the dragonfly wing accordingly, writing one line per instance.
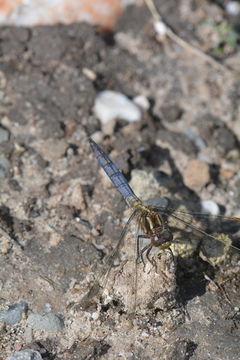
(141, 288)
(203, 223)
(101, 280)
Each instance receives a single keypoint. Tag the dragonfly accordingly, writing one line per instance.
(152, 219)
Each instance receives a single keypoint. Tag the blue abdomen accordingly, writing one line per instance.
(114, 174)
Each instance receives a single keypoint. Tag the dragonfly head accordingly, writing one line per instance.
(159, 203)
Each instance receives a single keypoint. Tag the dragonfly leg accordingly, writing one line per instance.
(170, 250)
(140, 258)
(151, 260)
(138, 249)
(147, 248)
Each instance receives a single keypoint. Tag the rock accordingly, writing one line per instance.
(210, 207)
(110, 105)
(50, 149)
(197, 140)
(216, 134)
(196, 175)
(176, 141)
(14, 313)
(142, 101)
(20, 13)
(226, 174)
(146, 288)
(4, 135)
(27, 354)
(171, 112)
(5, 244)
(145, 184)
(206, 317)
(160, 28)
(74, 196)
(97, 136)
(233, 8)
(46, 321)
(4, 167)
(224, 140)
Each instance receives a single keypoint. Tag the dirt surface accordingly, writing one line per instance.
(60, 215)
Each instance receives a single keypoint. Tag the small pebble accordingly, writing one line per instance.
(14, 313)
(89, 74)
(198, 141)
(26, 354)
(144, 183)
(4, 167)
(233, 8)
(2, 328)
(142, 102)
(50, 149)
(95, 316)
(97, 136)
(126, 325)
(45, 321)
(74, 195)
(5, 245)
(160, 28)
(224, 140)
(110, 105)
(4, 135)
(236, 129)
(171, 112)
(3, 80)
(196, 175)
(226, 174)
(210, 207)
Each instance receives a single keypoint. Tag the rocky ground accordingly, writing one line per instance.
(60, 216)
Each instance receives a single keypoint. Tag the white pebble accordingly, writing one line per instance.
(210, 207)
(95, 316)
(233, 8)
(198, 141)
(98, 246)
(26, 354)
(142, 101)
(160, 28)
(89, 74)
(110, 105)
(145, 334)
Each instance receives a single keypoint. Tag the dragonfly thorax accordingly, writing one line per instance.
(155, 226)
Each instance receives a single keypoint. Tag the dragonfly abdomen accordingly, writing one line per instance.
(114, 174)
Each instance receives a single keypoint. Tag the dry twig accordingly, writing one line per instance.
(184, 44)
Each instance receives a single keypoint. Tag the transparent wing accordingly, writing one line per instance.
(101, 280)
(204, 223)
(136, 266)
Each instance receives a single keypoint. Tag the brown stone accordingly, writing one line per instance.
(196, 175)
